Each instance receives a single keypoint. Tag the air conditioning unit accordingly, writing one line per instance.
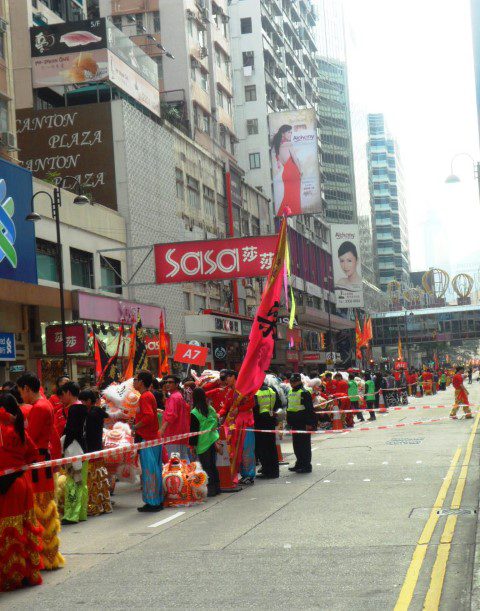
(203, 52)
(3, 25)
(205, 15)
(190, 14)
(8, 139)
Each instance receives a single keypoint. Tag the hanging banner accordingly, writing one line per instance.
(193, 355)
(214, 259)
(347, 268)
(295, 162)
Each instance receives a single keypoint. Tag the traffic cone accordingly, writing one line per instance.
(281, 461)
(419, 391)
(224, 466)
(381, 403)
(337, 424)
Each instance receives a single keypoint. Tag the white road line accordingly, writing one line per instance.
(367, 480)
(326, 481)
(169, 519)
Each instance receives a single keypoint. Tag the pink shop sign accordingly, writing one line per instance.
(108, 309)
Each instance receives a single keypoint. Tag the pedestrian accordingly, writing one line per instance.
(301, 417)
(443, 380)
(461, 395)
(59, 412)
(203, 417)
(176, 418)
(40, 430)
(267, 402)
(354, 398)
(380, 386)
(97, 481)
(74, 444)
(20, 532)
(341, 394)
(146, 429)
(470, 375)
(370, 395)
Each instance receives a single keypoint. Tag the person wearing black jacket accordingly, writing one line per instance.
(267, 402)
(76, 491)
(301, 416)
(97, 482)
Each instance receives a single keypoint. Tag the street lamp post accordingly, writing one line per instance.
(407, 336)
(56, 202)
(454, 178)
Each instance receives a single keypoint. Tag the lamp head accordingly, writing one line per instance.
(81, 200)
(452, 179)
(33, 216)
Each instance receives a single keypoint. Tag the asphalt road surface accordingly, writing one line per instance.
(365, 530)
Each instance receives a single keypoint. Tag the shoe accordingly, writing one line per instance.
(371, 419)
(247, 481)
(292, 468)
(454, 417)
(150, 508)
(468, 416)
(212, 493)
(264, 476)
(304, 470)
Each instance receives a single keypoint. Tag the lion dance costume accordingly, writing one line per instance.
(183, 483)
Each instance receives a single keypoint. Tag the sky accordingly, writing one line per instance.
(413, 61)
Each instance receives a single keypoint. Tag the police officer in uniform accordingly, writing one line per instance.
(266, 404)
(301, 416)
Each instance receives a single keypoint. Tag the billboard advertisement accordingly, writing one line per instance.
(347, 268)
(75, 141)
(17, 236)
(295, 162)
(92, 51)
(214, 259)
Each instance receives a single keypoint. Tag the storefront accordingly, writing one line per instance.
(226, 337)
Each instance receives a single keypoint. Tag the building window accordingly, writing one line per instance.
(199, 302)
(159, 61)
(254, 159)
(180, 184)
(232, 145)
(218, 57)
(111, 275)
(47, 260)
(209, 202)
(196, 116)
(3, 116)
(220, 98)
(206, 122)
(204, 80)
(139, 22)
(250, 93)
(81, 265)
(186, 301)
(252, 126)
(246, 25)
(156, 21)
(248, 58)
(117, 21)
(193, 193)
(193, 69)
(223, 137)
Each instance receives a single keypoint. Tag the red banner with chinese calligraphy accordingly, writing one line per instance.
(264, 329)
(214, 259)
(76, 339)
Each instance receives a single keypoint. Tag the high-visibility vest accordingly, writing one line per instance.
(266, 401)
(295, 400)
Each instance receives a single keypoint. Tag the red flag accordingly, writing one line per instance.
(262, 336)
(369, 329)
(129, 370)
(163, 366)
(358, 337)
(99, 364)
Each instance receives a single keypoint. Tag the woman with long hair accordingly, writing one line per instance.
(20, 532)
(204, 418)
(285, 161)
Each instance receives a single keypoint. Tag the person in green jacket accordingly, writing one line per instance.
(353, 396)
(370, 395)
(204, 418)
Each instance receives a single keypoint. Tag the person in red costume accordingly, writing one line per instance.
(176, 418)
(20, 532)
(286, 161)
(218, 392)
(341, 393)
(241, 442)
(41, 429)
(60, 412)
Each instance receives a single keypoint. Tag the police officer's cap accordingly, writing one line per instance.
(295, 377)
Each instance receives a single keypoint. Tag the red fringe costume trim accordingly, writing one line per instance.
(47, 514)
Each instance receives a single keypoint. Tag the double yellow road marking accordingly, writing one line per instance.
(434, 593)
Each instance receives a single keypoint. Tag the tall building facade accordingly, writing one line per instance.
(475, 12)
(388, 205)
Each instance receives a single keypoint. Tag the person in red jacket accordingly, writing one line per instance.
(176, 418)
(60, 412)
(146, 429)
(40, 429)
(218, 392)
(341, 393)
(461, 395)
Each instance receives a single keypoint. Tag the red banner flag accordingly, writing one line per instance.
(262, 336)
(358, 337)
(163, 366)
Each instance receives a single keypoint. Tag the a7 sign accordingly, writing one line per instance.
(194, 355)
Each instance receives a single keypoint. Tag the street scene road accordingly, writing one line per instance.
(355, 533)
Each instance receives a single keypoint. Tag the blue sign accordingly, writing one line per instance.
(17, 236)
(7, 347)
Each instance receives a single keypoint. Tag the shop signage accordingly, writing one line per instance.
(108, 309)
(8, 350)
(75, 141)
(193, 355)
(17, 236)
(228, 325)
(313, 356)
(152, 345)
(293, 356)
(220, 353)
(76, 339)
(17, 368)
(400, 365)
(214, 259)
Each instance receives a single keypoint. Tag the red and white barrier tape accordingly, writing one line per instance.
(386, 410)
